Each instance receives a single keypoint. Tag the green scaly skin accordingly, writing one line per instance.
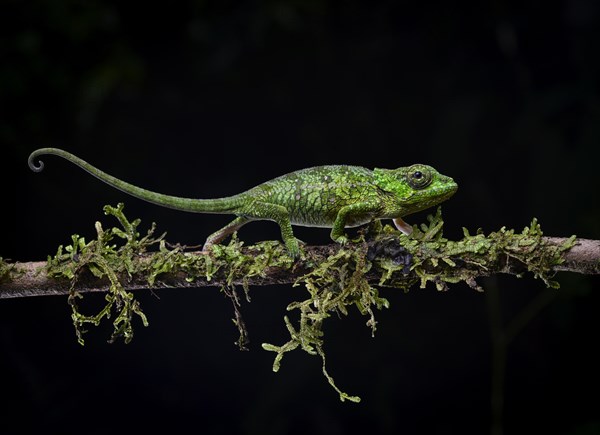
(335, 197)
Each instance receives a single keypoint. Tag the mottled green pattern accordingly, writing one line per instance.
(334, 196)
(314, 196)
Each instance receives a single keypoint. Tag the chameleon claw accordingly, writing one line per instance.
(207, 248)
(294, 250)
(294, 253)
(342, 240)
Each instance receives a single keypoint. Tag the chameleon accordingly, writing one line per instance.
(332, 196)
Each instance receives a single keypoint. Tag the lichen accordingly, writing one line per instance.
(241, 265)
(4, 269)
(333, 286)
(8, 271)
(441, 261)
(121, 254)
(103, 257)
(335, 282)
(401, 261)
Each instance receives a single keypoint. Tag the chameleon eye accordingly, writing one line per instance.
(418, 176)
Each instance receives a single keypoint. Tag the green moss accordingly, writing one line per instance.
(8, 271)
(334, 286)
(121, 255)
(4, 269)
(114, 255)
(401, 261)
(238, 266)
(335, 282)
(441, 261)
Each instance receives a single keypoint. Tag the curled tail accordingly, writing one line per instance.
(220, 205)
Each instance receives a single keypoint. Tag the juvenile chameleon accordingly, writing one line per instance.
(335, 196)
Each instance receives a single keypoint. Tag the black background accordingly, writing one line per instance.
(206, 99)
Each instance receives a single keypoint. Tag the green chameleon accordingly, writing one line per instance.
(335, 197)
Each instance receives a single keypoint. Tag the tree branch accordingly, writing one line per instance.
(32, 278)
(336, 277)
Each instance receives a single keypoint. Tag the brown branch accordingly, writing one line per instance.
(582, 258)
(31, 278)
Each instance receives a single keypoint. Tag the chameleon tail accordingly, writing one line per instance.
(219, 205)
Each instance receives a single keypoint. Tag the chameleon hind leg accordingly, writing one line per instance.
(227, 230)
(279, 214)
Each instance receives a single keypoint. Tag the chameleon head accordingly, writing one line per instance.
(414, 188)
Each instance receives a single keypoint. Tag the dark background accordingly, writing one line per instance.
(208, 98)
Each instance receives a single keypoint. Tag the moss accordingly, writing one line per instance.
(104, 257)
(122, 254)
(441, 261)
(401, 261)
(4, 270)
(239, 265)
(8, 271)
(334, 286)
(335, 282)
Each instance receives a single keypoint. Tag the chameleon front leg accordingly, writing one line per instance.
(353, 214)
(227, 230)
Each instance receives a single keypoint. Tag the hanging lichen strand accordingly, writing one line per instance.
(131, 262)
(336, 278)
(333, 285)
(103, 258)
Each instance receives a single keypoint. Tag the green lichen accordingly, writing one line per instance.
(121, 255)
(240, 265)
(105, 257)
(232, 265)
(335, 282)
(441, 261)
(4, 269)
(401, 261)
(333, 285)
(8, 271)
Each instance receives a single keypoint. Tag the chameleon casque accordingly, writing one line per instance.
(335, 196)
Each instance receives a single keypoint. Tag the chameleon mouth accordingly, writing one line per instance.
(448, 190)
(436, 196)
(440, 194)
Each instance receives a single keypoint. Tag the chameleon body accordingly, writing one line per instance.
(334, 196)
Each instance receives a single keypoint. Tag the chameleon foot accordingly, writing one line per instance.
(293, 248)
(342, 240)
